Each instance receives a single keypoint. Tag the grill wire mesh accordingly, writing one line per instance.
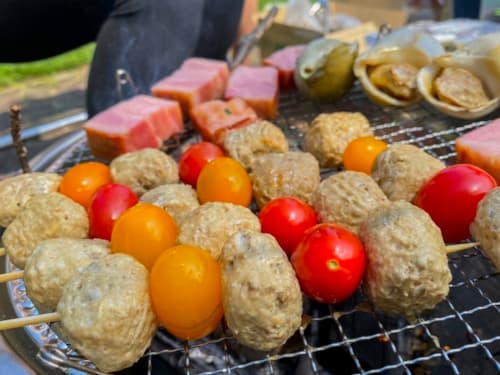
(460, 336)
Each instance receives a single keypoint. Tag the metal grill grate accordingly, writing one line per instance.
(460, 336)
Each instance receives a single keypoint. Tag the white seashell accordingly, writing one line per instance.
(480, 57)
(401, 46)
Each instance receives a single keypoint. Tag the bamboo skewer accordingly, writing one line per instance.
(29, 320)
(450, 249)
(11, 276)
(2, 251)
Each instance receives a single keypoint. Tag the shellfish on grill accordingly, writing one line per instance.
(388, 70)
(466, 83)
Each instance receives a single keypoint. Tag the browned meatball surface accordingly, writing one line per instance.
(486, 226)
(293, 174)
(407, 267)
(144, 170)
(261, 295)
(330, 133)
(401, 170)
(347, 198)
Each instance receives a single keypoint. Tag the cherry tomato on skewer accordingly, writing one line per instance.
(360, 154)
(195, 158)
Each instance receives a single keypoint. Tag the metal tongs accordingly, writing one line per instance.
(246, 42)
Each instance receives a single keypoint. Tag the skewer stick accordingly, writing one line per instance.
(450, 249)
(29, 320)
(15, 129)
(11, 276)
(2, 251)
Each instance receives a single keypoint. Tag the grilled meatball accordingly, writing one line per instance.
(44, 216)
(401, 170)
(177, 199)
(329, 135)
(106, 312)
(211, 224)
(261, 295)
(261, 137)
(407, 268)
(144, 170)
(17, 190)
(294, 174)
(347, 198)
(54, 262)
(486, 226)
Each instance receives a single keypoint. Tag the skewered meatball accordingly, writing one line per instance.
(329, 135)
(294, 174)
(106, 312)
(347, 198)
(261, 295)
(211, 224)
(261, 137)
(177, 199)
(54, 262)
(17, 190)
(144, 170)
(401, 170)
(486, 226)
(44, 216)
(407, 269)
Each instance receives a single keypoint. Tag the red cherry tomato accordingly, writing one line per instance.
(107, 204)
(287, 219)
(451, 198)
(329, 263)
(195, 158)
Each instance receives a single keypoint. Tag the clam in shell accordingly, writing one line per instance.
(466, 83)
(388, 70)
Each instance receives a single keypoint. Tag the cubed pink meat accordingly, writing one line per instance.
(285, 60)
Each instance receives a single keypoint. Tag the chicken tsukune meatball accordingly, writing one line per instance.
(292, 174)
(261, 295)
(177, 199)
(486, 226)
(261, 137)
(106, 312)
(407, 267)
(347, 198)
(330, 133)
(54, 262)
(211, 224)
(144, 170)
(401, 170)
(44, 216)
(16, 191)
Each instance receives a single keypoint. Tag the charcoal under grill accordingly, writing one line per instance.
(460, 336)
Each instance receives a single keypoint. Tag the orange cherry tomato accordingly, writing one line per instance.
(144, 231)
(361, 153)
(224, 180)
(81, 181)
(186, 291)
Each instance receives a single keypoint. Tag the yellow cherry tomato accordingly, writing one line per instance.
(224, 180)
(82, 180)
(144, 231)
(361, 153)
(185, 285)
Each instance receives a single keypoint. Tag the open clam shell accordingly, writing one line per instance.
(480, 57)
(402, 48)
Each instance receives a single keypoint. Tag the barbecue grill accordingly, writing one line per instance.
(460, 336)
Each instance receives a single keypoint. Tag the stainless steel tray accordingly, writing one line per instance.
(460, 336)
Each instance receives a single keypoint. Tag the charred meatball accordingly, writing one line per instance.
(261, 295)
(261, 137)
(347, 198)
(401, 170)
(294, 174)
(17, 190)
(44, 216)
(486, 226)
(54, 262)
(211, 224)
(407, 268)
(329, 135)
(177, 199)
(106, 312)
(144, 170)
